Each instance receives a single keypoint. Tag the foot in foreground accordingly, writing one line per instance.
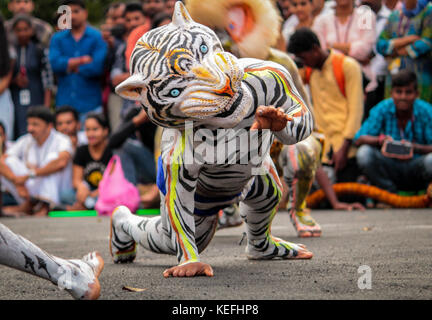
(84, 283)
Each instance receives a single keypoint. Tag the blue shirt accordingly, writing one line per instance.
(81, 90)
(382, 120)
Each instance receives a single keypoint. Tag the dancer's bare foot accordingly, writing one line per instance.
(305, 225)
(191, 269)
(85, 283)
(273, 247)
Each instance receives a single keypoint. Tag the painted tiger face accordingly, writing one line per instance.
(179, 73)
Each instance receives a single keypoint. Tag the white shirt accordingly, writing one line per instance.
(27, 149)
(290, 24)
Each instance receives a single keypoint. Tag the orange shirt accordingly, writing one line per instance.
(336, 116)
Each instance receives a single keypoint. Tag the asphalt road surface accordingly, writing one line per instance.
(391, 248)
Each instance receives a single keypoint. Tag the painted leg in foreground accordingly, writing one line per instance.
(155, 234)
(300, 163)
(258, 210)
(78, 277)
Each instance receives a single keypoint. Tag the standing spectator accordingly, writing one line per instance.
(285, 9)
(403, 117)
(323, 6)
(43, 31)
(302, 10)
(32, 169)
(7, 59)
(169, 7)
(292, 21)
(32, 80)
(161, 19)
(116, 12)
(152, 7)
(352, 31)
(407, 43)
(382, 9)
(114, 34)
(134, 18)
(77, 57)
(90, 162)
(335, 82)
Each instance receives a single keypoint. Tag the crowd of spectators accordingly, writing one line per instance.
(367, 65)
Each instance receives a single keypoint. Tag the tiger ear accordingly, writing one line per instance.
(181, 16)
(131, 88)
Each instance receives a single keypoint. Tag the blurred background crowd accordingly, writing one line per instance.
(61, 121)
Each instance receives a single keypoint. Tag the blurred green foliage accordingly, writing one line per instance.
(47, 9)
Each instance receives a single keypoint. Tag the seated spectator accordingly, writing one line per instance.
(77, 57)
(351, 30)
(32, 169)
(7, 60)
(43, 30)
(407, 44)
(90, 162)
(403, 117)
(67, 122)
(5, 143)
(3, 139)
(135, 139)
(335, 82)
(32, 79)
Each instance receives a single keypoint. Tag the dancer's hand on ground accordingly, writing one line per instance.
(349, 206)
(192, 269)
(269, 117)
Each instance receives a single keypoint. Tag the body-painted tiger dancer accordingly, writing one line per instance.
(180, 73)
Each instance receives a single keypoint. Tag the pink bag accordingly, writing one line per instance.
(115, 190)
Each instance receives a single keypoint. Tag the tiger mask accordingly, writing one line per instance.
(180, 72)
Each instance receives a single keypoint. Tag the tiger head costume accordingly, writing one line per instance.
(180, 72)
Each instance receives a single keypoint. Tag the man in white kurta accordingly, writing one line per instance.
(33, 168)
